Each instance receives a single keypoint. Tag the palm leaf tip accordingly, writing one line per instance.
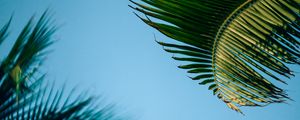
(4, 31)
(238, 47)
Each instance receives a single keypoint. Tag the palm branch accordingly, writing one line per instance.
(24, 96)
(238, 47)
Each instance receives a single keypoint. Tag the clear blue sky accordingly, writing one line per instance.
(103, 47)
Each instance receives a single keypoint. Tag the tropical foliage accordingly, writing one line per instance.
(238, 47)
(24, 95)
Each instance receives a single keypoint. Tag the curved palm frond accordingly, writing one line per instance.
(22, 92)
(236, 46)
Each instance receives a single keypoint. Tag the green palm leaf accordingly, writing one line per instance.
(236, 46)
(22, 92)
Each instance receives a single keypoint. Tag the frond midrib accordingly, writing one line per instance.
(224, 25)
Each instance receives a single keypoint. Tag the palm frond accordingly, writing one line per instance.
(23, 96)
(236, 46)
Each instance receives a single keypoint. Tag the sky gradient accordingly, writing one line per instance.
(102, 46)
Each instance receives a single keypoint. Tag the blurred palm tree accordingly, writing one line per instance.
(236, 46)
(23, 95)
